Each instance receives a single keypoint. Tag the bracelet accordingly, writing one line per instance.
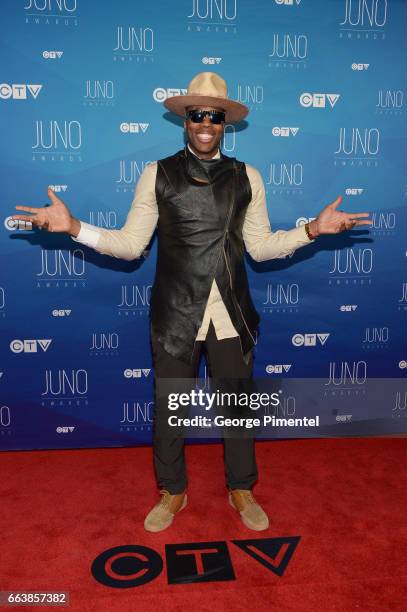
(307, 230)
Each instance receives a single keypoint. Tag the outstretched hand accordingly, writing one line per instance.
(53, 218)
(333, 221)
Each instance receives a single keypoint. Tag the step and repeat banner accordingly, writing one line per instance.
(81, 90)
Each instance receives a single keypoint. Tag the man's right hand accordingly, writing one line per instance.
(53, 218)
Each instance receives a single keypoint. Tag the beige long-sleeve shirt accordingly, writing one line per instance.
(130, 241)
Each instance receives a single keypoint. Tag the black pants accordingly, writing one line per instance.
(224, 360)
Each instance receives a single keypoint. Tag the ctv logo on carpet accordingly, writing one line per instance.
(19, 92)
(134, 565)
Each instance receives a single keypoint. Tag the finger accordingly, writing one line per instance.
(356, 215)
(31, 209)
(336, 202)
(22, 218)
(350, 225)
(52, 196)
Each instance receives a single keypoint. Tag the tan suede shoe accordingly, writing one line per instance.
(162, 515)
(253, 515)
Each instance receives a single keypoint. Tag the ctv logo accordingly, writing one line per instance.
(343, 418)
(134, 128)
(309, 339)
(278, 369)
(318, 100)
(19, 92)
(14, 224)
(58, 188)
(136, 373)
(29, 346)
(52, 54)
(189, 563)
(348, 307)
(303, 220)
(353, 191)
(288, 2)
(61, 313)
(285, 131)
(64, 429)
(160, 93)
(211, 60)
(360, 66)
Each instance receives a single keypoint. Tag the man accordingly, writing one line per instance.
(207, 207)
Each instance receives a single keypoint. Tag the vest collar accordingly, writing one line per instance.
(217, 156)
(207, 170)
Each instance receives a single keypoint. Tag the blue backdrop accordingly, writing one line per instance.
(81, 91)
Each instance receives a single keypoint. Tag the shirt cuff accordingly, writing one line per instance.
(88, 235)
(300, 238)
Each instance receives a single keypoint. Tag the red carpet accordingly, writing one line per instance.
(346, 499)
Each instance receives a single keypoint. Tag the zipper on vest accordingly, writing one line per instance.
(233, 297)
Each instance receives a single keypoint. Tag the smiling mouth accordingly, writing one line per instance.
(204, 137)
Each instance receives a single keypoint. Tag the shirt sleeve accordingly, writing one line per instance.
(260, 241)
(129, 241)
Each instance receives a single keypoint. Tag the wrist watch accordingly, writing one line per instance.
(309, 233)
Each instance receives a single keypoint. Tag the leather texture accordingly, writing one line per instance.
(202, 205)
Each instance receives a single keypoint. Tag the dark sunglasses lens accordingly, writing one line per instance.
(196, 116)
(217, 117)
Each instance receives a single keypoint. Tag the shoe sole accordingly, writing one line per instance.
(250, 526)
(184, 503)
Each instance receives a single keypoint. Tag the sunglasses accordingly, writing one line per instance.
(197, 116)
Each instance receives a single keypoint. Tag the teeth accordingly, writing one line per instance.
(204, 137)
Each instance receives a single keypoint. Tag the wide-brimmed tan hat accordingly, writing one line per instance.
(207, 89)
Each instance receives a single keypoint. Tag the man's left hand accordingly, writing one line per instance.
(332, 221)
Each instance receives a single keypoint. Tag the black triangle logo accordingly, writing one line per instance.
(273, 553)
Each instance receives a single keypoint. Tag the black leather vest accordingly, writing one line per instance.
(200, 239)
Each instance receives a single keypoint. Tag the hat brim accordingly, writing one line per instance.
(235, 111)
